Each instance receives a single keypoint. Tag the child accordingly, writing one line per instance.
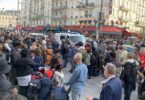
(58, 74)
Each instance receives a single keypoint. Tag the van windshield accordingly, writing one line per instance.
(77, 39)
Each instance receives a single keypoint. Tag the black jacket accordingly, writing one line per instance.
(15, 55)
(24, 66)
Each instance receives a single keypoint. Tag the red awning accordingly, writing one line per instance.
(28, 28)
(19, 27)
(105, 29)
(110, 29)
(138, 35)
(39, 28)
(125, 32)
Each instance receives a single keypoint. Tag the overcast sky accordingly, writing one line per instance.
(8, 4)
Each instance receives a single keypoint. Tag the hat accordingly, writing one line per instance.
(4, 66)
(16, 43)
(25, 52)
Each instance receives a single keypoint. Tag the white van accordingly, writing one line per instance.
(69, 38)
(37, 35)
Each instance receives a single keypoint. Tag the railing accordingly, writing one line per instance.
(123, 8)
(88, 5)
(121, 19)
(59, 7)
(140, 24)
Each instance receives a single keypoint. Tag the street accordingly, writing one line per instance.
(93, 86)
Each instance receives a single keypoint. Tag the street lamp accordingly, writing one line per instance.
(99, 21)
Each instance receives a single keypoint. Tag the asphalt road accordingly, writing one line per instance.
(93, 86)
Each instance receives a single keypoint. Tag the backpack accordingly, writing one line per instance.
(129, 74)
(59, 93)
(93, 60)
(34, 84)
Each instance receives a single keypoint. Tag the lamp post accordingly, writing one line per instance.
(99, 21)
(18, 12)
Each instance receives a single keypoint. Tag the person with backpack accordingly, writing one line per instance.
(90, 60)
(45, 87)
(129, 76)
(58, 92)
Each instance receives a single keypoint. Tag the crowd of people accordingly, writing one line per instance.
(31, 68)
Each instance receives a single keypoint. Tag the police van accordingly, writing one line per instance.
(70, 37)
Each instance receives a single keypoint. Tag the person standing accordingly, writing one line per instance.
(15, 55)
(24, 70)
(5, 84)
(112, 87)
(78, 78)
(129, 76)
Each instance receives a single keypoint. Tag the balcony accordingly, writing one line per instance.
(140, 24)
(123, 8)
(59, 7)
(88, 5)
(124, 20)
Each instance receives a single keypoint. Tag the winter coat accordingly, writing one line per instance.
(5, 86)
(48, 56)
(129, 74)
(24, 66)
(45, 87)
(15, 56)
(39, 62)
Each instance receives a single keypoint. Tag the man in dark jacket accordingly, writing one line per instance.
(15, 55)
(129, 76)
(112, 87)
(24, 70)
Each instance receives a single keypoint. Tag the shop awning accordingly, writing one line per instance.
(139, 35)
(19, 27)
(110, 29)
(39, 28)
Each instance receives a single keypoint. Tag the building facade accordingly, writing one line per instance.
(129, 14)
(36, 12)
(25, 12)
(8, 18)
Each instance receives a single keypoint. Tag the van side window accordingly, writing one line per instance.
(62, 37)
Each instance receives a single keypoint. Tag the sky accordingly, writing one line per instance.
(8, 4)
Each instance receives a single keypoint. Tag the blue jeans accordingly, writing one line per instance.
(75, 96)
(72, 64)
(127, 91)
(65, 58)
